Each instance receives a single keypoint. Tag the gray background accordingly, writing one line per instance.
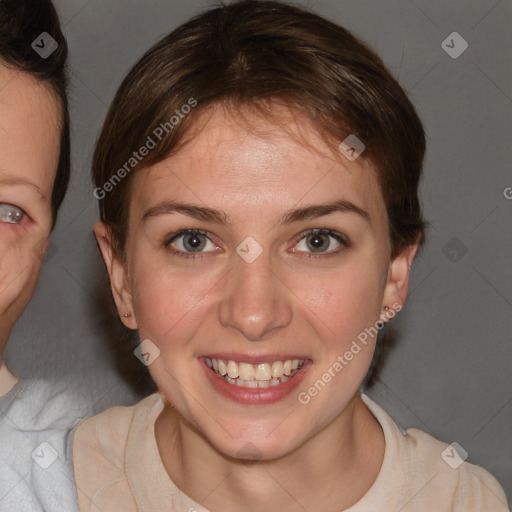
(450, 373)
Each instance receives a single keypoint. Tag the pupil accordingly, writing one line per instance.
(193, 241)
(317, 242)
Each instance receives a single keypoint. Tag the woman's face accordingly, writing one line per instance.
(29, 153)
(254, 285)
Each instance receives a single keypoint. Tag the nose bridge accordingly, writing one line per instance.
(254, 301)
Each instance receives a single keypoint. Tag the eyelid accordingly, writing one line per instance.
(186, 231)
(343, 239)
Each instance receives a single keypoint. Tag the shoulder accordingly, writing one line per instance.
(466, 486)
(38, 410)
(108, 431)
(36, 419)
(40, 404)
(428, 474)
(100, 442)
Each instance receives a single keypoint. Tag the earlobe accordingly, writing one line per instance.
(117, 274)
(397, 285)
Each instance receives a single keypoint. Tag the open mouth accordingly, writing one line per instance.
(262, 375)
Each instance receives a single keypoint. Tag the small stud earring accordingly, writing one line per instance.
(386, 308)
(126, 315)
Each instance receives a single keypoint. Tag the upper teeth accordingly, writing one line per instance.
(249, 372)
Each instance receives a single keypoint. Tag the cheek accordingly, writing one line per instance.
(166, 304)
(19, 249)
(20, 264)
(345, 301)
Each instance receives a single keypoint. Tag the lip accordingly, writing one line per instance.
(254, 396)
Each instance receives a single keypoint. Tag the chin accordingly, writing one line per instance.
(257, 447)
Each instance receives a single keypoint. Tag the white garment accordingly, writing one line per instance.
(36, 418)
(118, 467)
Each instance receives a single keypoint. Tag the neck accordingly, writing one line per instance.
(4, 338)
(330, 471)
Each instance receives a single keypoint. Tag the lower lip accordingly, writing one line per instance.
(254, 395)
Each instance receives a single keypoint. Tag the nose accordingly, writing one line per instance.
(255, 301)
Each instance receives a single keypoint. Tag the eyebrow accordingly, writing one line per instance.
(219, 217)
(23, 181)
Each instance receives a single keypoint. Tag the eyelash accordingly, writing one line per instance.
(342, 239)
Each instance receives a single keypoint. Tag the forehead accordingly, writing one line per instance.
(257, 163)
(29, 130)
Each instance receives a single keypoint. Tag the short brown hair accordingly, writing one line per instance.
(251, 52)
(21, 22)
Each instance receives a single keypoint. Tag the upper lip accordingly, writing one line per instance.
(255, 359)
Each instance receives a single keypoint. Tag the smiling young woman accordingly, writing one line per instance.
(256, 254)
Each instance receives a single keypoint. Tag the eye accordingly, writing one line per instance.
(189, 241)
(11, 214)
(320, 241)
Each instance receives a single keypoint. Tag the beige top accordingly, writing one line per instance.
(118, 468)
(7, 380)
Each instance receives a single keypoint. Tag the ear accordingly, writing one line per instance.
(397, 284)
(118, 276)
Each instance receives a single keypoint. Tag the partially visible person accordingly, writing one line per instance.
(35, 415)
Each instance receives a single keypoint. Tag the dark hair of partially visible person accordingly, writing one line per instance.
(21, 22)
(254, 54)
